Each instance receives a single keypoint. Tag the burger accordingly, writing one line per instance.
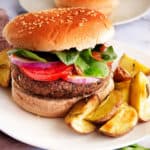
(105, 6)
(59, 58)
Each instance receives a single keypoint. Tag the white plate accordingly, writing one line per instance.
(129, 10)
(54, 133)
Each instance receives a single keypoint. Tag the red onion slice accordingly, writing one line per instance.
(82, 80)
(33, 64)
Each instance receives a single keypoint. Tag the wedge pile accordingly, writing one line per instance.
(126, 105)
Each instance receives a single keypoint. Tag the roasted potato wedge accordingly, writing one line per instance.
(140, 96)
(4, 69)
(124, 88)
(81, 126)
(133, 66)
(125, 119)
(83, 108)
(122, 85)
(75, 118)
(121, 75)
(106, 109)
(4, 60)
(4, 76)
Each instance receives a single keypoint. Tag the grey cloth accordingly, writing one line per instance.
(8, 10)
(3, 20)
(12, 7)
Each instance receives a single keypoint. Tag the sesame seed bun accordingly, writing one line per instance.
(104, 6)
(59, 29)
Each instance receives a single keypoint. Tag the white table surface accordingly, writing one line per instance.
(136, 34)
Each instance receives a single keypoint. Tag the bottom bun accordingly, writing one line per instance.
(52, 108)
(103, 92)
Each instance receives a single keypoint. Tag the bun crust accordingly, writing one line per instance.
(59, 29)
(43, 107)
(51, 107)
(105, 6)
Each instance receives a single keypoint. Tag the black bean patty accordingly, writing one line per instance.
(54, 89)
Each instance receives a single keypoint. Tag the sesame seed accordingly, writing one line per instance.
(82, 10)
(61, 21)
(41, 17)
(30, 28)
(47, 22)
(80, 24)
(46, 18)
(39, 25)
(20, 31)
(34, 23)
(69, 21)
(84, 20)
(36, 15)
(52, 20)
(70, 17)
(24, 23)
(38, 20)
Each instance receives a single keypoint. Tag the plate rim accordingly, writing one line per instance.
(38, 145)
(132, 19)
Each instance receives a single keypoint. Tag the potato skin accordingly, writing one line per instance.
(140, 96)
(124, 121)
(132, 66)
(75, 118)
(121, 75)
(107, 109)
(81, 126)
(124, 88)
(4, 69)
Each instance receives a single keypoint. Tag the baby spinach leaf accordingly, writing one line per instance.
(91, 67)
(109, 54)
(68, 57)
(27, 54)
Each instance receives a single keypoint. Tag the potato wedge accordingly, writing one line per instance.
(83, 108)
(107, 108)
(133, 66)
(121, 75)
(4, 69)
(140, 96)
(81, 126)
(122, 85)
(4, 75)
(4, 60)
(75, 118)
(125, 119)
(124, 88)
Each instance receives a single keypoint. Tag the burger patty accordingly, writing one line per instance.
(54, 89)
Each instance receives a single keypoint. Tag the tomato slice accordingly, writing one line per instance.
(97, 56)
(102, 48)
(48, 74)
(109, 63)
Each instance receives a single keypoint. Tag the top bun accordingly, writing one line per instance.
(105, 6)
(58, 29)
